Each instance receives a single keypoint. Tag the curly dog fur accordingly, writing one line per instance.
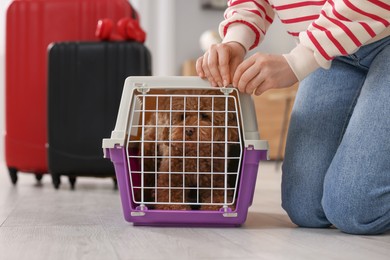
(189, 143)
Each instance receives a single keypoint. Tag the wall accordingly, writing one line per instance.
(192, 21)
(173, 28)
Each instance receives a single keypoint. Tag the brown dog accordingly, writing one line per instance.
(187, 144)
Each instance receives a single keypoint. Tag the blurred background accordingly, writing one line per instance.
(173, 28)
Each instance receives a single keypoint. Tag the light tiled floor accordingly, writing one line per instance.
(38, 222)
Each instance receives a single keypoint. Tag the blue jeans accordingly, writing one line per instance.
(336, 169)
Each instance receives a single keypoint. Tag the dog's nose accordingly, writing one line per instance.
(189, 132)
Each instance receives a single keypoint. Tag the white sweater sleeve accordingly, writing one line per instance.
(342, 27)
(246, 22)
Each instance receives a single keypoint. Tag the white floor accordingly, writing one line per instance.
(38, 222)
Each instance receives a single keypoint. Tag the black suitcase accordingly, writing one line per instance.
(84, 90)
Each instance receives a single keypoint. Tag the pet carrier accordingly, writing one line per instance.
(185, 153)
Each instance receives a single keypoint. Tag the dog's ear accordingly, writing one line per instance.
(232, 132)
(233, 135)
(232, 119)
(163, 130)
(149, 153)
(163, 134)
(164, 103)
(149, 147)
(149, 134)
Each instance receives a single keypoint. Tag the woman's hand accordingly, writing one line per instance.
(261, 72)
(224, 64)
(219, 63)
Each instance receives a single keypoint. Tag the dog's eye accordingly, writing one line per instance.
(204, 116)
(182, 117)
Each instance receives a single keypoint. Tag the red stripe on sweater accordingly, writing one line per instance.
(337, 14)
(295, 34)
(259, 14)
(300, 4)
(344, 28)
(268, 18)
(254, 28)
(300, 19)
(318, 46)
(360, 11)
(331, 38)
(369, 30)
(380, 4)
(255, 12)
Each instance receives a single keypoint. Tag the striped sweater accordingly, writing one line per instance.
(324, 29)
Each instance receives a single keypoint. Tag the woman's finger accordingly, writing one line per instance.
(245, 72)
(225, 64)
(213, 65)
(199, 68)
(206, 69)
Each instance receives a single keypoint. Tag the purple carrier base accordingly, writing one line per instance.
(194, 218)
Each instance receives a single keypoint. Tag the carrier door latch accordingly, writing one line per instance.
(141, 87)
(226, 90)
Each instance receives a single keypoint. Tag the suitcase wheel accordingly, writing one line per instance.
(56, 179)
(13, 173)
(72, 181)
(115, 183)
(38, 177)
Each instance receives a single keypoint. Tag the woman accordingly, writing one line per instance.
(336, 169)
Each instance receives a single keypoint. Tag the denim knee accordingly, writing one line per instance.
(304, 214)
(354, 216)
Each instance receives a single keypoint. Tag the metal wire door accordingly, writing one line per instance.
(184, 148)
